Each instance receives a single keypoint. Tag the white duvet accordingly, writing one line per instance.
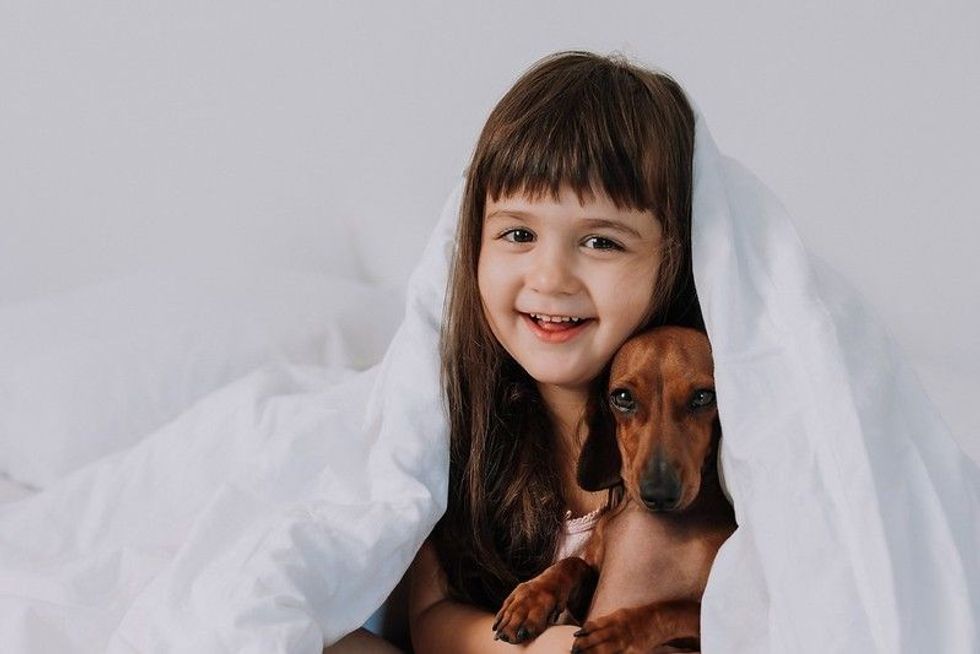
(277, 513)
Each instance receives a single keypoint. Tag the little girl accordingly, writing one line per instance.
(574, 235)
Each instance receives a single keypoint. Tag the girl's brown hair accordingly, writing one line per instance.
(591, 123)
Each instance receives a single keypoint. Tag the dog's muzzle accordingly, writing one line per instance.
(660, 487)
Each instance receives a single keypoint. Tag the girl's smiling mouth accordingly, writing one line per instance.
(556, 332)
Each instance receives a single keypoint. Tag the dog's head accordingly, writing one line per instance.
(660, 423)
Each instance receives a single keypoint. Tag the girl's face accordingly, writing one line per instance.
(564, 259)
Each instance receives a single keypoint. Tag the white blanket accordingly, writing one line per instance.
(277, 513)
(859, 516)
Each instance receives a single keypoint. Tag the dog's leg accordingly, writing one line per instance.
(538, 602)
(642, 628)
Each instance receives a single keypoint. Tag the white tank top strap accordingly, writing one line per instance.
(576, 533)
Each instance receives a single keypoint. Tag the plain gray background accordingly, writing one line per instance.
(145, 131)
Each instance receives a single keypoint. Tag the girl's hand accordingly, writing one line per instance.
(554, 640)
(440, 625)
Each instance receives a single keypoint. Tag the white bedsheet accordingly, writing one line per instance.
(11, 490)
(278, 512)
(77, 557)
(273, 516)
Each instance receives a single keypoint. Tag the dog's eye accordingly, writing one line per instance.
(622, 400)
(702, 398)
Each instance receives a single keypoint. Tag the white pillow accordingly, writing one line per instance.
(89, 372)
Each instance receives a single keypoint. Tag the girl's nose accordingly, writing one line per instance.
(552, 272)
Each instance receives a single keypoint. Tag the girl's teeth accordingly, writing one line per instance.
(538, 316)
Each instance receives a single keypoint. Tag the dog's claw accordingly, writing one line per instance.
(522, 634)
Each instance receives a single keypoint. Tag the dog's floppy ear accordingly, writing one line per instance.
(599, 463)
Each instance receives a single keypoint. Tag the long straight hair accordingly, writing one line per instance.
(592, 123)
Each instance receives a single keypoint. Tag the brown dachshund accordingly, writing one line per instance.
(644, 570)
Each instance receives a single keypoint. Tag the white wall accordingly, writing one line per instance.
(132, 132)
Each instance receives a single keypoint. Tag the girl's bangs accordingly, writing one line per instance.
(590, 143)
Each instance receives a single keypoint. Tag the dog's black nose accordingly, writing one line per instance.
(660, 488)
(660, 502)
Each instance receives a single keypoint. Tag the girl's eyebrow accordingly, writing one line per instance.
(614, 225)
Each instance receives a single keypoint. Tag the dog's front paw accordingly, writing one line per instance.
(528, 610)
(667, 627)
(607, 634)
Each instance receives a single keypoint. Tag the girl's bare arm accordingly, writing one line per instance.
(439, 624)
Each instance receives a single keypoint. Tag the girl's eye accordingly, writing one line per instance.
(525, 236)
(603, 243)
(515, 232)
(702, 398)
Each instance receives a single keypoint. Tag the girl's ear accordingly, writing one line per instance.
(600, 464)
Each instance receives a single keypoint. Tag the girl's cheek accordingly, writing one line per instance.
(632, 296)
(641, 276)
